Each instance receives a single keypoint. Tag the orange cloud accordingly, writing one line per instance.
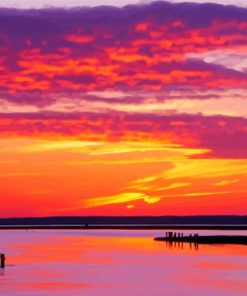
(79, 38)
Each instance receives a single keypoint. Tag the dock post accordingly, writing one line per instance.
(2, 260)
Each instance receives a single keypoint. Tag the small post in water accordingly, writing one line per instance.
(2, 260)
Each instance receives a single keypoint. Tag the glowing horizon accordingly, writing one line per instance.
(124, 111)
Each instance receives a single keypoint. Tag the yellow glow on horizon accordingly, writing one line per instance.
(142, 175)
(173, 186)
(191, 194)
(119, 198)
(59, 145)
(208, 168)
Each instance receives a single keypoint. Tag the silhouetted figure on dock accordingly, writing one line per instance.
(2, 260)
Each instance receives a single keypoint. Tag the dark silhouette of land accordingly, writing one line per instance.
(124, 222)
(198, 239)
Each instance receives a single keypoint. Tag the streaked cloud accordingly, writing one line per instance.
(119, 198)
(82, 56)
(92, 3)
(123, 110)
(226, 182)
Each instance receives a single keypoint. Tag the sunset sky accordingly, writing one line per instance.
(131, 110)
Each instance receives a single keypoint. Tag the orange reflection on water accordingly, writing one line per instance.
(118, 263)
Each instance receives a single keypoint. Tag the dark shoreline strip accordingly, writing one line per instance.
(127, 227)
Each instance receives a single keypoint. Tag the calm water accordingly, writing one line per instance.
(118, 263)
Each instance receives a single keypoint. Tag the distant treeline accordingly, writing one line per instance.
(104, 220)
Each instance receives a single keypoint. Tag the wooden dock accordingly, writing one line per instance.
(210, 239)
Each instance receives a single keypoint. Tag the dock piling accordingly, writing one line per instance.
(2, 260)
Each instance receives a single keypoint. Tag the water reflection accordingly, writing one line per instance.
(180, 245)
(117, 263)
